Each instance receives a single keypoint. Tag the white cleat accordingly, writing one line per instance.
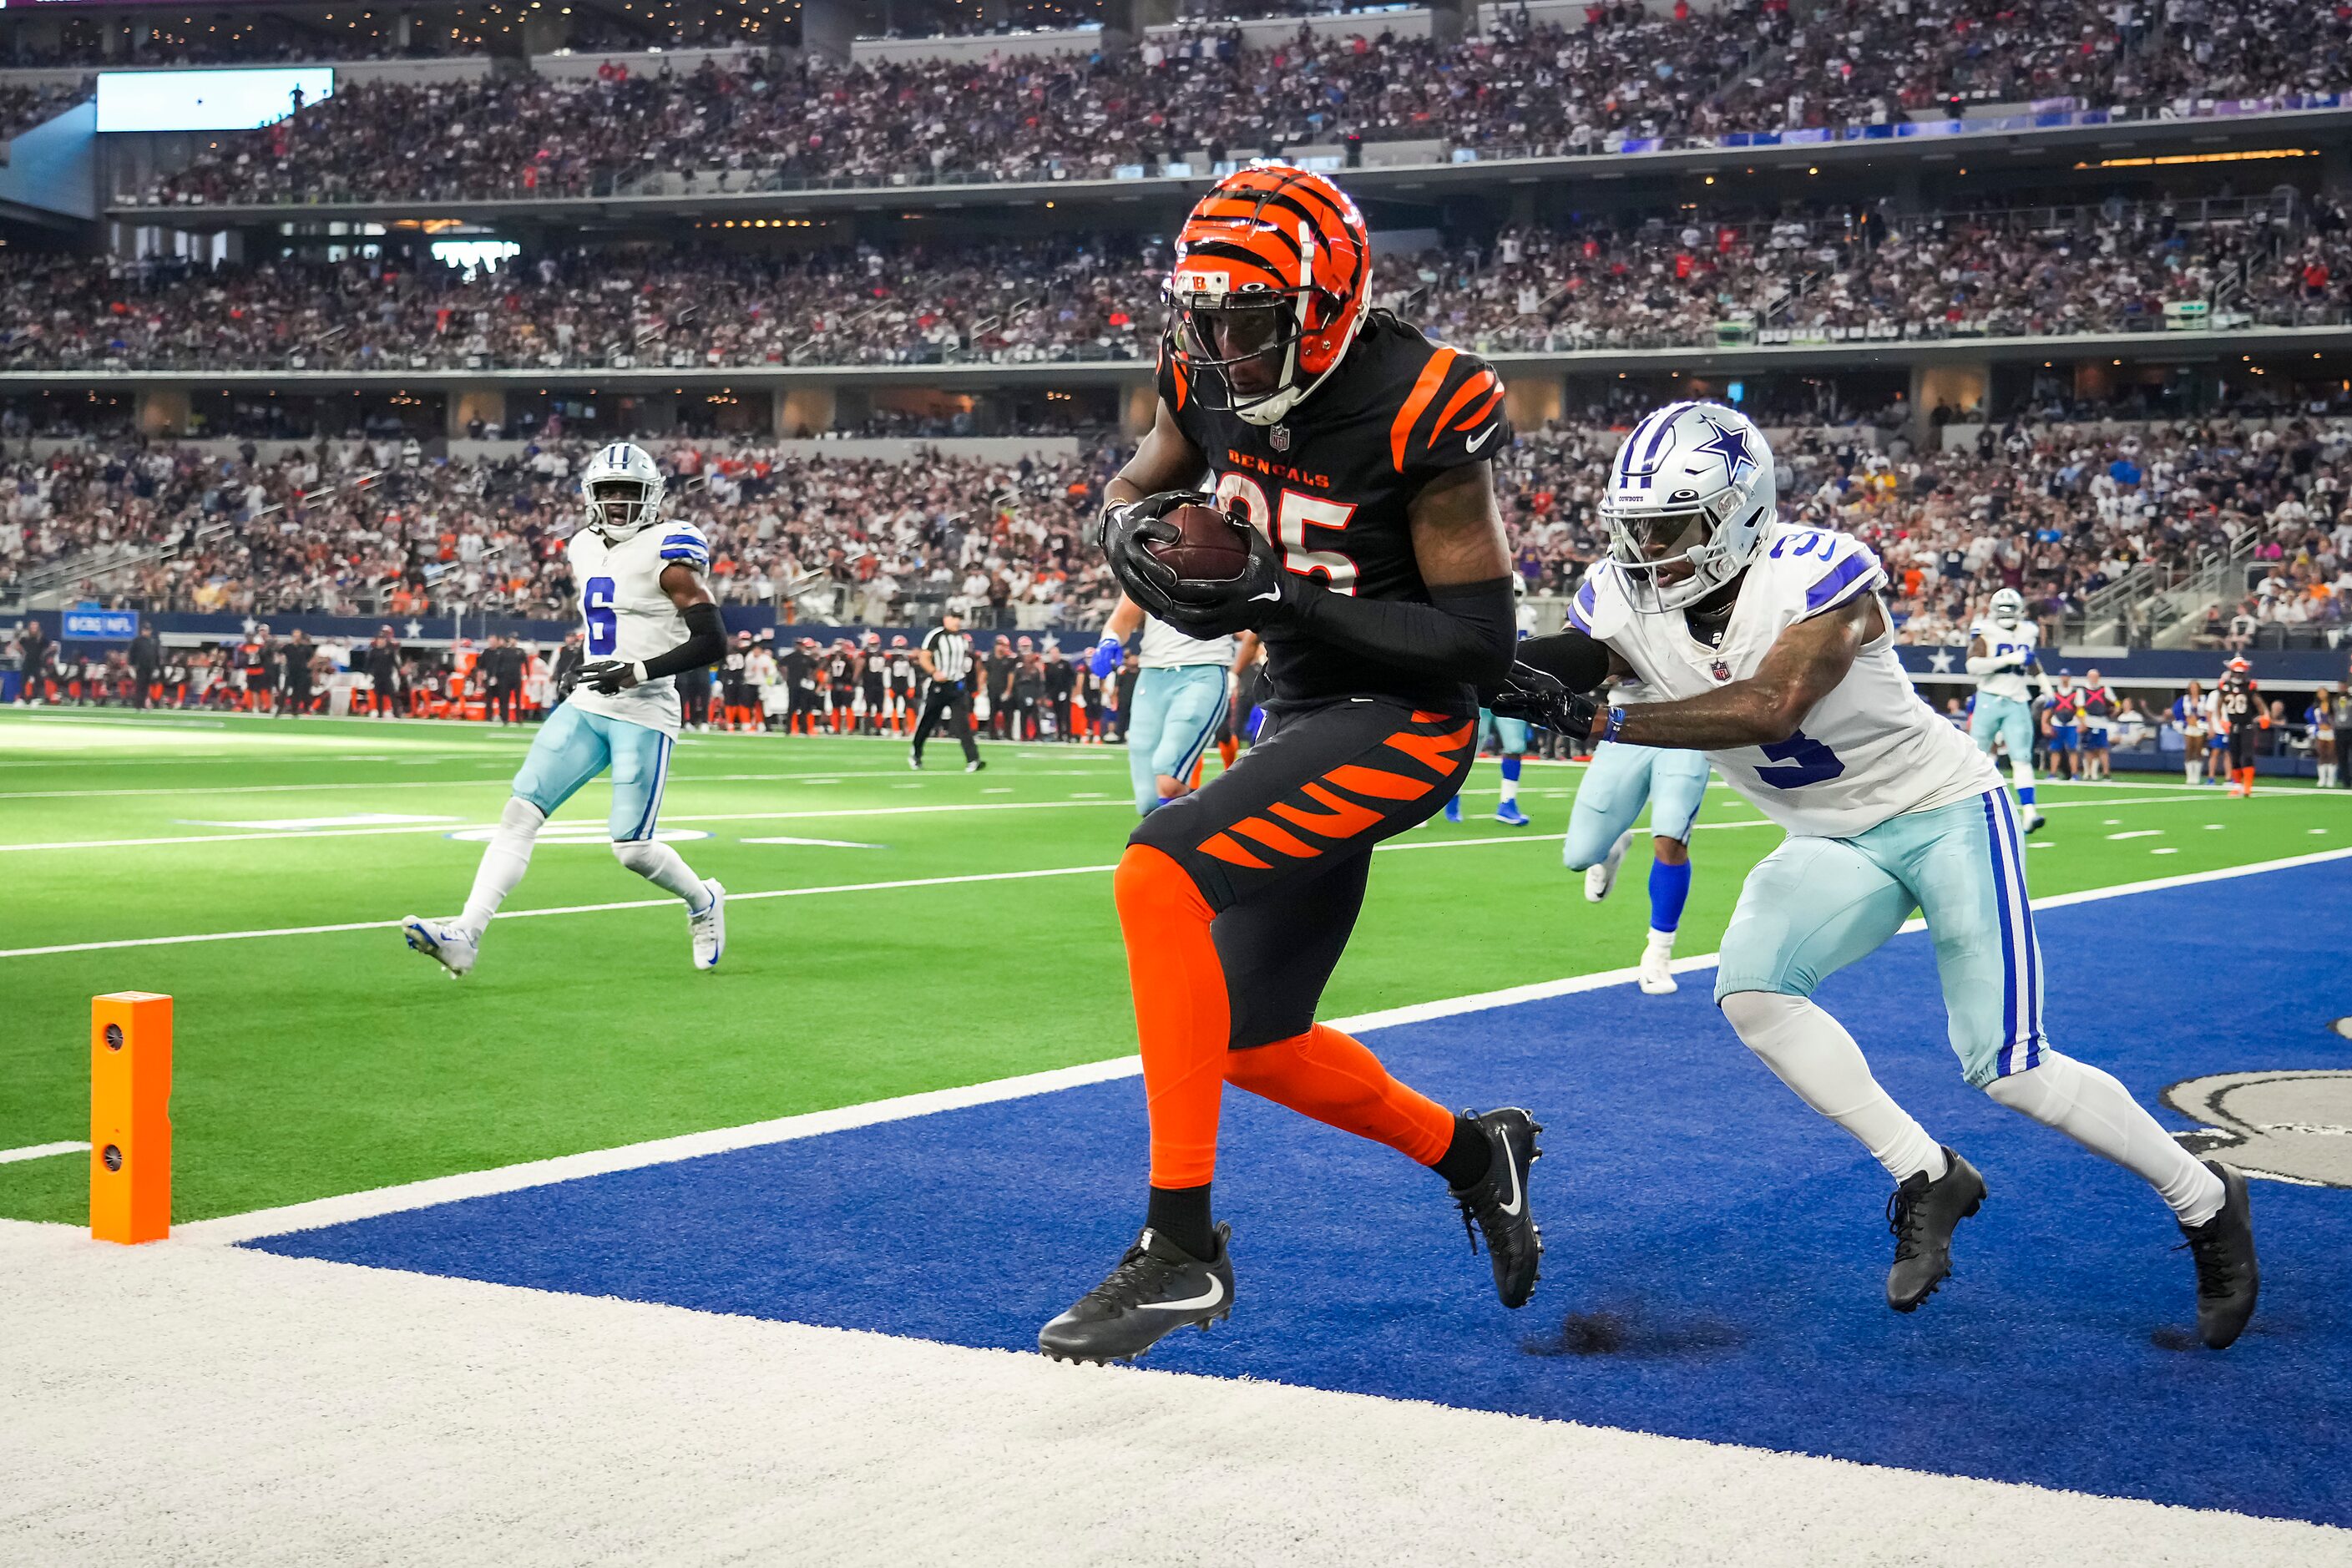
(1600, 877)
(1656, 976)
(708, 928)
(443, 943)
(2033, 820)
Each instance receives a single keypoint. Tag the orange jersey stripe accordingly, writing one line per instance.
(1478, 417)
(1432, 376)
(1470, 389)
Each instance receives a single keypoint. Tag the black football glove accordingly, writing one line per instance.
(1260, 597)
(1119, 521)
(1541, 699)
(609, 676)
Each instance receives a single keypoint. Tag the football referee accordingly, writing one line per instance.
(946, 660)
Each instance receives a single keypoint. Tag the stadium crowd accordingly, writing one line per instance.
(1523, 89)
(2057, 511)
(1600, 285)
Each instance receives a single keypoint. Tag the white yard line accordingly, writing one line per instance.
(41, 1151)
(693, 1145)
(675, 779)
(279, 837)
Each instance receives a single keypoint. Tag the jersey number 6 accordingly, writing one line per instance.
(604, 623)
(1810, 763)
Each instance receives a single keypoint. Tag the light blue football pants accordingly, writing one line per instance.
(1176, 713)
(1619, 781)
(574, 747)
(1815, 905)
(2005, 721)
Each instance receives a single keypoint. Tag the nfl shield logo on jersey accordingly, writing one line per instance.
(1719, 669)
(1280, 437)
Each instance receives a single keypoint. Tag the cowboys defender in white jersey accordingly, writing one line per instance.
(1180, 702)
(2001, 651)
(1767, 647)
(649, 618)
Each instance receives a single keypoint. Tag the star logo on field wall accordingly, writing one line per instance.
(1940, 661)
(416, 628)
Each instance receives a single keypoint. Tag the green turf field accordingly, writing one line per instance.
(312, 1063)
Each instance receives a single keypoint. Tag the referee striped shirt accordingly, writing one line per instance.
(951, 654)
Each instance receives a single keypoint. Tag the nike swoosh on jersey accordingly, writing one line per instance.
(1216, 1293)
(1480, 440)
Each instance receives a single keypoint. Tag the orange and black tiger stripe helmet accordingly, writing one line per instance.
(1276, 238)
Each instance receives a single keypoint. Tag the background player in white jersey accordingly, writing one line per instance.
(2001, 653)
(1179, 707)
(1766, 646)
(649, 619)
(1618, 781)
(1510, 735)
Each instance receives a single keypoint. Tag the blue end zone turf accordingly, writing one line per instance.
(1717, 1252)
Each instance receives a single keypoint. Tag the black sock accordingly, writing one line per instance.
(1181, 1214)
(1468, 1157)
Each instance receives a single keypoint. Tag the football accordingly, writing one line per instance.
(1212, 548)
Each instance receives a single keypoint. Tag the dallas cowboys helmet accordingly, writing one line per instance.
(1689, 495)
(624, 490)
(2007, 608)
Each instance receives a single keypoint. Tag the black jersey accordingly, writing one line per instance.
(1332, 485)
(839, 671)
(2241, 703)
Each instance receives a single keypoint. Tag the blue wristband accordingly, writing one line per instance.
(1616, 722)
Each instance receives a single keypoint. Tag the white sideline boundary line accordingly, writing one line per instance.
(494, 783)
(340, 1209)
(41, 1151)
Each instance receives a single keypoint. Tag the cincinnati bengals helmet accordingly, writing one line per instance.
(1271, 275)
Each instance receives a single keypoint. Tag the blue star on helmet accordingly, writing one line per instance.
(1730, 444)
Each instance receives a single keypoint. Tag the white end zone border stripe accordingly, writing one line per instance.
(41, 1151)
(435, 1190)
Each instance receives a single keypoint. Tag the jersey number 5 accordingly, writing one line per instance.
(603, 623)
(1810, 763)
(1288, 527)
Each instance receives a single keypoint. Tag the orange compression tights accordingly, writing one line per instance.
(1184, 1022)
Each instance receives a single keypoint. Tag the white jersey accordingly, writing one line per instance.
(1869, 750)
(2000, 642)
(1165, 648)
(627, 616)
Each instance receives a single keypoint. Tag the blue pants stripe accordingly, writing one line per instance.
(1999, 853)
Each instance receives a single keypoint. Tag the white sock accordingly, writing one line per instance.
(504, 860)
(2090, 1106)
(660, 864)
(2020, 774)
(1510, 791)
(1811, 1053)
(1664, 941)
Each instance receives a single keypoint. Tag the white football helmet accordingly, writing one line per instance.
(624, 490)
(2007, 608)
(1689, 495)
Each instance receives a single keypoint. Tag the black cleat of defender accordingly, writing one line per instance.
(1157, 1288)
(2228, 1277)
(1495, 1205)
(1922, 1215)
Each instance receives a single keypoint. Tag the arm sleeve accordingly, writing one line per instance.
(1572, 658)
(705, 644)
(1465, 632)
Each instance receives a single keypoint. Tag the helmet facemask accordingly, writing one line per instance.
(1245, 346)
(620, 506)
(1673, 557)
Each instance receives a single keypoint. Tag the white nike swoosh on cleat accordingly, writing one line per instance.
(1472, 446)
(1518, 1196)
(1216, 1294)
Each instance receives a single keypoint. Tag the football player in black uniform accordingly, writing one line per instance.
(1355, 455)
(2239, 703)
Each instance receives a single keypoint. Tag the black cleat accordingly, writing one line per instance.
(1496, 1204)
(2228, 1277)
(1922, 1215)
(975, 765)
(1157, 1288)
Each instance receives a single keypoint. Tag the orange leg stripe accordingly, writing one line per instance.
(1432, 376)
(1343, 819)
(1231, 852)
(1273, 837)
(1477, 415)
(1436, 752)
(1470, 389)
(1377, 782)
(1421, 718)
